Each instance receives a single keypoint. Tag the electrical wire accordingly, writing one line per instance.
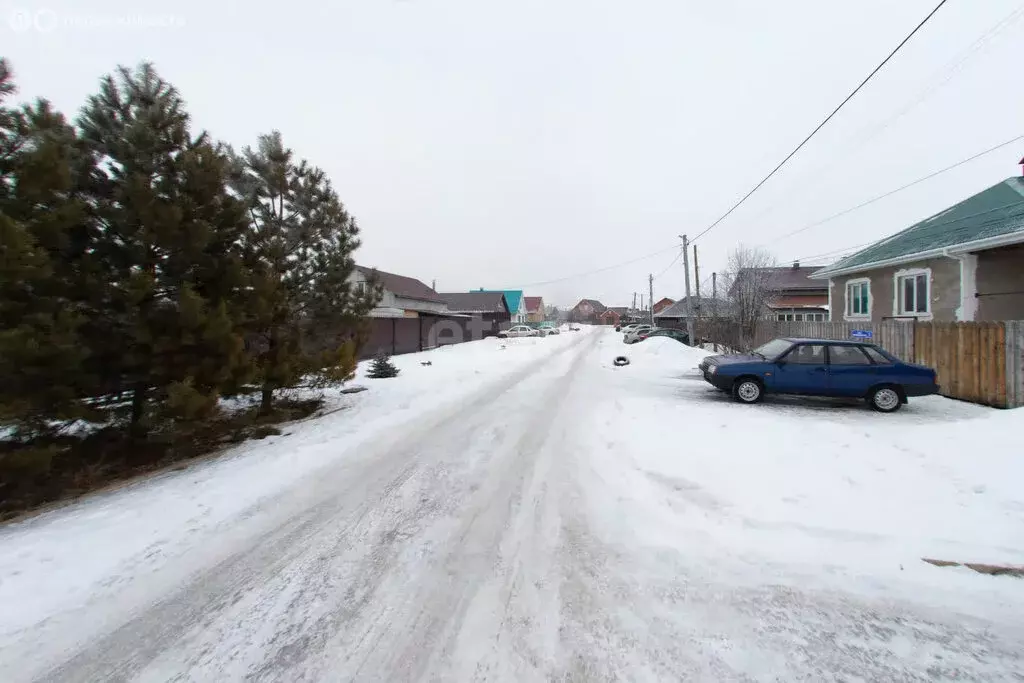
(669, 266)
(865, 135)
(822, 124)
(600, 270)
(892, 192)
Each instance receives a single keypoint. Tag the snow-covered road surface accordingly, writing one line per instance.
(533, 513)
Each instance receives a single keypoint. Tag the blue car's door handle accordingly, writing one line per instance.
(819, 369)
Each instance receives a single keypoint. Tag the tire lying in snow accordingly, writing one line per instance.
(620, 361)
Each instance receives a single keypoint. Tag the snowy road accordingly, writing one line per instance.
(544, 517)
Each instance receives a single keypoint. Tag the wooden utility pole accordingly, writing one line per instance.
(689, 301)
(696, 276)
(634, 302)
(714, 306)
(650, 299)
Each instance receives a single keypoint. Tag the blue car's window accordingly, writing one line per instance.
(773, 349)
(874, 354)
(847, 355)
(807, 354)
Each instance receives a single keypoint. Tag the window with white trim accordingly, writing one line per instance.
(858, 298)
(912, 294)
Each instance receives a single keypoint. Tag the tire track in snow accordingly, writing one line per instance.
(159, 640)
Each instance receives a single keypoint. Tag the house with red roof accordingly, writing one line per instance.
(534, 309)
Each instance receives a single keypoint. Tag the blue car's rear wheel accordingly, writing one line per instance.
(885, 399)
(748, 390)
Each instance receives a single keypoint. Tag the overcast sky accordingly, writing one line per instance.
(501, 143)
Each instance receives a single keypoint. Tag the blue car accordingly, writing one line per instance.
(820, 367)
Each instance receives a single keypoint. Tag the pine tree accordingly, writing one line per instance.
(299, 248)
(382, 367)
(170, 246)
(45, 262)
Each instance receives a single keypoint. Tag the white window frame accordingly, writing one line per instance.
(897, 294)
(848, 304)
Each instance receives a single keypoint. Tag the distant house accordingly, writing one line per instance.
(516, 304)
(965, 263)
(405, 318)
(609, 317)
(586, 311)
(534, 309)
(676, 315)
(662, 304)
(794, 295)
(489, 307)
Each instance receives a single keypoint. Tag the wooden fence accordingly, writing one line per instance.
(977, 362)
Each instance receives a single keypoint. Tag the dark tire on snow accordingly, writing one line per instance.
(748, 390)
(885, 398)
(620, 361)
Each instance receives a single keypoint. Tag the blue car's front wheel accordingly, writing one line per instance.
(748, 390)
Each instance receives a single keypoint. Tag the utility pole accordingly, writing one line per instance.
(641, 301)
(714, 306)
(650, 299)
(696, 276)
(634, 302)
(689, 302)
(696, 281)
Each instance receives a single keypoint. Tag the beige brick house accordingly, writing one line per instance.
(965, 263)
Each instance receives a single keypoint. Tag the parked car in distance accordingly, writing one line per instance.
(820, 367)
(632, 335)
(518, 331)
(549, 328)
(678, 335)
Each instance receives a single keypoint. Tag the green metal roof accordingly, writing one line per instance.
(994, 212)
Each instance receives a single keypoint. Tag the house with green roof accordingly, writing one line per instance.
(515, 301)
(965, 263)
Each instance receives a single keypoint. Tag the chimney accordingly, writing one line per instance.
(796, 264)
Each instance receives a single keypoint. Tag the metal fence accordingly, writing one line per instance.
(977, 362)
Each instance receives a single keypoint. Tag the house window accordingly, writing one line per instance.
(912, 293)
(799, 317)
(858, 298)
(781, 317)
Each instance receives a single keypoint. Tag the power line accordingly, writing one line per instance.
(822, 124)
(600, 270)
(1011, 205)
(898, 189)
(868, 133)
(669, 266)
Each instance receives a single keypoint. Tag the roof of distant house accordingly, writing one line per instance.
(990, 218)
(593, 303)
(513, 297)
(786, 278)
(475, 302)
(533, 304)
(400, 285)
(701, 304)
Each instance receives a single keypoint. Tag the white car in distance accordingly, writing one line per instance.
(518, 331)
(632, 334)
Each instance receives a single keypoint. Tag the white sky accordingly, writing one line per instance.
(492, 143)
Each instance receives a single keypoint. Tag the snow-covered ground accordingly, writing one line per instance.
(534, 513)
